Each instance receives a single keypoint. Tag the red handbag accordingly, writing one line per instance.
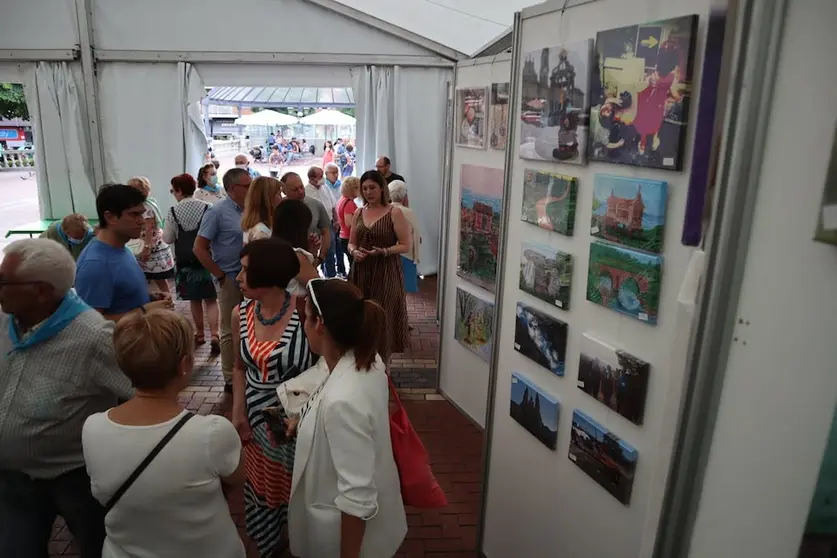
(419, 488)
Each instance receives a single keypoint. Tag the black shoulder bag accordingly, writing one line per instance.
(183, 254)
(146, 462)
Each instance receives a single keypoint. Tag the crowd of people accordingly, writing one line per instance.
(302, 287)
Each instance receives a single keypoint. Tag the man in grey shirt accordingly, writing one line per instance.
(294, 189)
(57, 368)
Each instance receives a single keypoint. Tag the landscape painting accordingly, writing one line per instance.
(473, 328)
(480, 211)
(641, 87)
(614, 377)
(534, 410)
(625, 280)
(546, 273)
(499, 115)
(555, 103)
(629, 211)
(549, 201)
(541, 338)
(472, 123)
(601, 454)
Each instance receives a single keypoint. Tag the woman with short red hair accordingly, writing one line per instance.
(193, 282)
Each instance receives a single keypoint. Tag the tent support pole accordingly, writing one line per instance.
(39, 54)
(91, 88)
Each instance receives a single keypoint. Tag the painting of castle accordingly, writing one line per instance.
(626, 281)
(555, 104)
(480, 212)
(534, 410)
(629, 211)
(546, 273)
(549, 201)
(473, 326)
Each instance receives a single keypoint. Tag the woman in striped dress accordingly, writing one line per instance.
(273, 349)
(380, 234)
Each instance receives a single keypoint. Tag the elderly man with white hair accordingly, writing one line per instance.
(57, 368)
(410, 260)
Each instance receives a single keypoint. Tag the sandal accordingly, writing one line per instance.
(215, 346)
(199, 339)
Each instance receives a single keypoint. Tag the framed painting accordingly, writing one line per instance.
(480, 218)
(498, 109)
(473, 326)
(471, 118)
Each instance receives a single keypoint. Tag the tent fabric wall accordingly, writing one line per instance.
(38, 24)
(401, 113)
(194, 138)
(65, 175)
(274, 75)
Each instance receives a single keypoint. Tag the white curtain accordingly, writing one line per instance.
(401, 114)
(151, 123)
(62, 144)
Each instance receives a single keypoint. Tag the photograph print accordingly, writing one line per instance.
(541, 338)
(472, 121)
(603, 456)
(534, 410)
(629, 211)
(555, 103)
(480, 207)
(614, 377)
(626, 281)
(473, 327)
(549, 201)
(498, 109)
(641, 86)
(546, 273)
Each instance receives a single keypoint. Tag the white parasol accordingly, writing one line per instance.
(328, 117)
(266, 118)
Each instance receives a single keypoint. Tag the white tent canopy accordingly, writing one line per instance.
(266, 118)
(328, 117)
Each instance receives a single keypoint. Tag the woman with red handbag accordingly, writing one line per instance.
(346, 495)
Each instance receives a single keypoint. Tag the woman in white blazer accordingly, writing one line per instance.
(346, 495)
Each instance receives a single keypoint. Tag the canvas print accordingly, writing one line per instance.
(601, 454)
(555, 103)
(471, 112)
(541, 338)
(480, 212)
(534, 410)
(549, 201)
(473, 327)
(641, 86)
(614, 377)
(629, 211)
(625, 280)
(499, 115)
(546, 273)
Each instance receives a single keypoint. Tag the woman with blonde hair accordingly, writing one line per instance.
(155, 258)
(159, 470)
(346, 494)
(263, 196)
(345, 210)
(409, 260)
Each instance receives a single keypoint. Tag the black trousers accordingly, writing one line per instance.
(28, 508)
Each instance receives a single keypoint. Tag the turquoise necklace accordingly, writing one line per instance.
(277, 317)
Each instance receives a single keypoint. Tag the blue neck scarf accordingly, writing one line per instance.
(71, 306)
(66, 239)
(211, 189)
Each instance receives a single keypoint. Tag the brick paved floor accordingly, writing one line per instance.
(453, 442)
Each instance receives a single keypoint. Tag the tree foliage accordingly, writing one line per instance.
(12, 101)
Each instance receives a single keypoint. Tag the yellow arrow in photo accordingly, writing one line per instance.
(650, 42)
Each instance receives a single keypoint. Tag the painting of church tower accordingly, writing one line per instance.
(534, 410)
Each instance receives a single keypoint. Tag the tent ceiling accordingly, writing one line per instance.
(463, 25)
(338, 97)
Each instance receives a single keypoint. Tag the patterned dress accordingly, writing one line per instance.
(268, 466)
(382, 279)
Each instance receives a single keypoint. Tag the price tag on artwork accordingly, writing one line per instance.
(668, 161)
(559, 304)
(594, 230)
(572, 457)
(580, 384)
(517, 346)
(642, 316)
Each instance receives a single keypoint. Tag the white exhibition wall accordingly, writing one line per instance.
(38, 24)
(566, 512)
(463, 375)
(780, 385)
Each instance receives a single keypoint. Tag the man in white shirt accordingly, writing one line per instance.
(316, 189)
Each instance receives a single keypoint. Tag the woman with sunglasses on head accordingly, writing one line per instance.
(273, 348)
(346, 494)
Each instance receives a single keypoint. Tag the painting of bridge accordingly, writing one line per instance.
(625, 280)
(534, 410)
(549, 201)
(629, 211)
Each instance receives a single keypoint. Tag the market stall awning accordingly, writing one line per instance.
(328, 118)
(277, 97)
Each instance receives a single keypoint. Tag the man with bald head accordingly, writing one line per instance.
(294, 189)
(384, 166)
(242, 162)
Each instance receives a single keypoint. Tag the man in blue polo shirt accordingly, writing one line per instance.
(108, 277)
(218, 248)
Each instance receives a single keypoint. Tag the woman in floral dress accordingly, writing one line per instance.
(156, 259)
